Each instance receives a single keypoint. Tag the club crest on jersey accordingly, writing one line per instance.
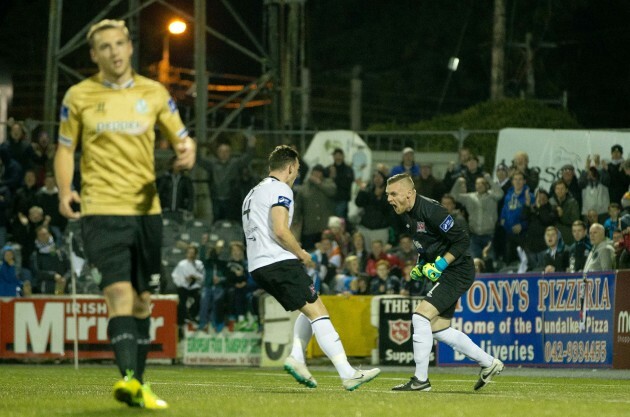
(141, 106)
(284, 201)
(399, 330)
(421, 228)
(447, 223)
(64, 112)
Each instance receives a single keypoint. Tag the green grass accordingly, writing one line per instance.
(59, 390)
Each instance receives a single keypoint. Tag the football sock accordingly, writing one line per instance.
(461, 342)
(122, 331)
(144, 344)
(328, 339)
(302, 333)
(422, 344)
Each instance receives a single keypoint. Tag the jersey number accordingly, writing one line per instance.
(247, 204)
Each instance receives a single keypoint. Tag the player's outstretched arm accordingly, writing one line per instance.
(64, 171)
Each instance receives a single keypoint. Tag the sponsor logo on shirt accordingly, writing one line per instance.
(421, 228)
(447, 223)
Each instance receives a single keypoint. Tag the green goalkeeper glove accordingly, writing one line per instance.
(433, 271)
(416, 272)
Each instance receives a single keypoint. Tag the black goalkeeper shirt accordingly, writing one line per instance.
(434, 231)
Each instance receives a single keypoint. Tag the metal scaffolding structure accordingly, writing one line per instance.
(281, 57)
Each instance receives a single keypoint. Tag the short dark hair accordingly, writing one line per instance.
(579, 223)
(282, 156)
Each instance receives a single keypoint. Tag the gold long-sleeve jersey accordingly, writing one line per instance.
(116, 127)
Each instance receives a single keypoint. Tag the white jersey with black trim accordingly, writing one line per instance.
(262, 247)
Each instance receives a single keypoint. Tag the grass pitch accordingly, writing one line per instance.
(59, 390)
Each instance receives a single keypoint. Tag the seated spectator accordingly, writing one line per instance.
(328, 260)
(612, 222)
(188, 276)
(378, 253)
(10, 169)
(556, 258)
(384, 282)
(405, 251)
(358, 249)
(343, 281)
(176, 191)
(539, 215)
(602, 256)
(377, 212)
(594, 194)
(567, 208)
(18, 144)
(42, 156)
(361, 285)
(624, 243)
(50, 265)
(579, 250)
(338, 233)
(481, 206)
(407, 165)
(212, 307)
(10, 284)
(413, 288)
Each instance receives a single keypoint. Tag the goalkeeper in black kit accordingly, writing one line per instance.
(442, 246)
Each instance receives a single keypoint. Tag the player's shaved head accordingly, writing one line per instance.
(404, 179)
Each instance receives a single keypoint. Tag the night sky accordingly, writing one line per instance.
(402, 46)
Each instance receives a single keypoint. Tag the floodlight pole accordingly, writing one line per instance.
(201, 76)
(52, 65)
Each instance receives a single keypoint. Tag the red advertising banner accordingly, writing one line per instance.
(621, 334)
(46, 328)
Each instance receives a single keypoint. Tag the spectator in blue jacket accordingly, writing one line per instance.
(10, 284)
(513, 217)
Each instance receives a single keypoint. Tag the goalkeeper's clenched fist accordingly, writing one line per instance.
(416, 273)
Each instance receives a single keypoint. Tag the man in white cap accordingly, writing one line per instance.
(407, 165)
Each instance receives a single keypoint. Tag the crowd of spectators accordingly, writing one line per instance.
(515, 224)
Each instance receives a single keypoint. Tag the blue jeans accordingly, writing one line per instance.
(212, 307)
(477, 243)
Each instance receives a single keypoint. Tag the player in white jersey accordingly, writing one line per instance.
(276, 261)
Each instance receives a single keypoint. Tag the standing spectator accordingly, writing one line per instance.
(314, 204)
(19, 146)
(222, 169)
(567, 174)
(614, 175)
(188, 276)
(471, 173)
(498, 241)
(612, 222)
(10, 170)
(303, 170)
(236, 280)
(455, 171)
(245, 181)
(520, 163)
(602, 256)
(378, 253)
(10, 284)
(594, 194)
(556, 257)
(24, 197)
(212, 307)
(579, 250)
(567, 208)
(407, 165)
(513, 217)
(426, 184)
(481, 206)
(343, 176)
(5, 204)
(24, 232)
(624, 243)
(43, 155)
(48, 199)
(176, 191)
(377, 213)
(540, 216)
(50, 265)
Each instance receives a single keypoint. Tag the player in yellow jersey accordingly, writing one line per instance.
(113, 114)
